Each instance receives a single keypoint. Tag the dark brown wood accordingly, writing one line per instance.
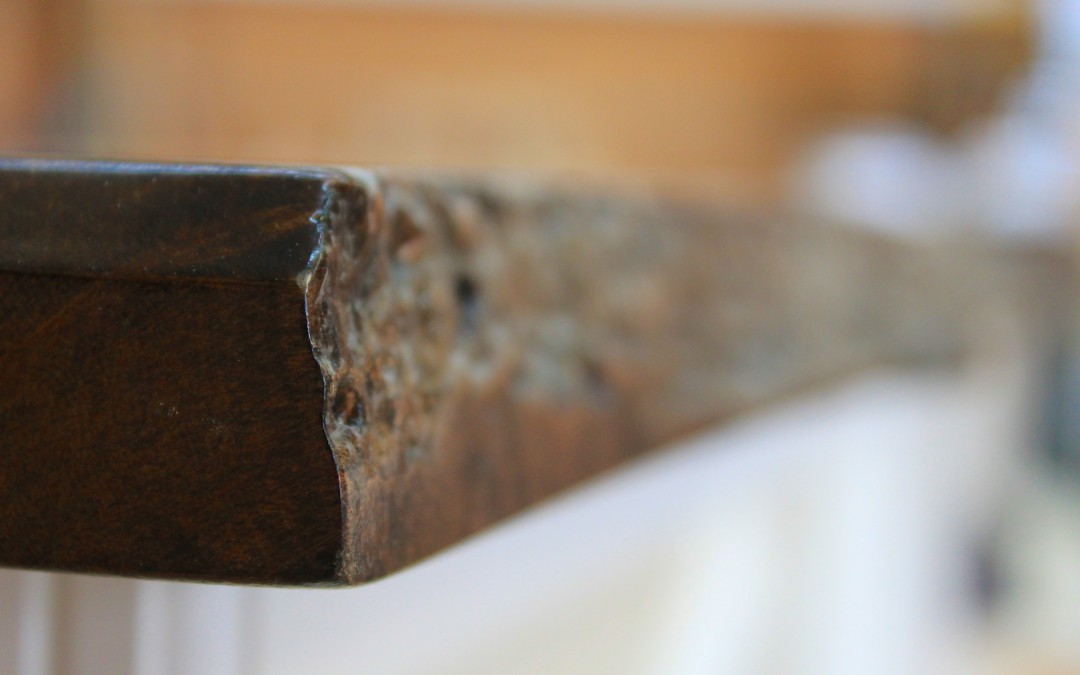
(160, 410)
(315, 377)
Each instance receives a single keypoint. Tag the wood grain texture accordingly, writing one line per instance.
(160, 412)
(317, 377)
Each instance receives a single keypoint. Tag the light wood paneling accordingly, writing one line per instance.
(19, 70)
(40, 47)
(590, 92)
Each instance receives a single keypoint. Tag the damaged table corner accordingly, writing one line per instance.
(319, 376)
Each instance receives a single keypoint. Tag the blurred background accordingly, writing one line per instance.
(901, 523)
(726, 88)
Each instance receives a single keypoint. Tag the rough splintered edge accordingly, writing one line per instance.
(383, 320)
(346, 205)
(399, 343)
(394, 327)
(391, 329)
(394, 331)
(396, 341)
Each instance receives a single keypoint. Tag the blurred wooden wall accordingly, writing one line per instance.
(40, 44)
(585, 91)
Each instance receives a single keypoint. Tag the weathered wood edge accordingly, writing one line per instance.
(487, 343)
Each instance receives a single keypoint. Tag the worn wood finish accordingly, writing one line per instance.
(313, 377)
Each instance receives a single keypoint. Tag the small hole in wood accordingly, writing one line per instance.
(468, 298)
(348, 407)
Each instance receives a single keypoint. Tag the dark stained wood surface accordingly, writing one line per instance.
(152, 220)
(160, 410)
(163, 429)
(310, 377)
